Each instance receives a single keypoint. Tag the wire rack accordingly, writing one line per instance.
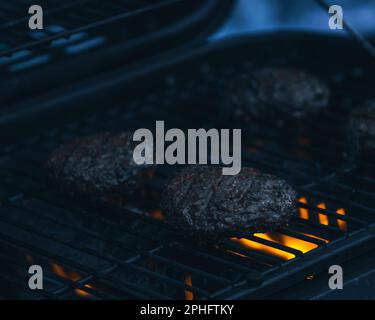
(101, 252)
(98, 252)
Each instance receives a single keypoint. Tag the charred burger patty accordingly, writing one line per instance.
(361, 128)
(203, 202)
(99, 165)
(276, 92)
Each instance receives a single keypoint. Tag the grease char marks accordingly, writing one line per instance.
(99, 165)
(203, 202)
(361, 128)
(276, 93)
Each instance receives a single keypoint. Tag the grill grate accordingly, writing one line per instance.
(82, 38)
(65, 19)
(100, 252)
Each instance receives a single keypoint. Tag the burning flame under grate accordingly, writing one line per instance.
(288, 241)
(202, 272)
(291, 242)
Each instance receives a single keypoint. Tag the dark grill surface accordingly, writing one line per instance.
(63, 19)
(86, 37)
(97, 252)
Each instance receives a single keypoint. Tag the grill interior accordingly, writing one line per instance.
(67, 22)
(89, 36)
(94, 252)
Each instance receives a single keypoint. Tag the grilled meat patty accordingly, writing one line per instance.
(98, 166)
(203, 202)
(361, 128)
(275, 93)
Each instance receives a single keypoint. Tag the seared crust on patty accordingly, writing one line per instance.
(203, 202)
(99, 165)
(275, 93)
(361, 128)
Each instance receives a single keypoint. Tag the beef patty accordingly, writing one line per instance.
(203, 202)
(275, 94)
(361, 128)
(99, 165)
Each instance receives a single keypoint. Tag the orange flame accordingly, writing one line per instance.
(236, 253)
(71, 275)
(323, 218)
(249, 244)
(64, 273)
(157, 214)
(288, 241)
(302, 245)
(315, 237)
(84, 293)
(189, 282)
(303, 212)
(341, 223)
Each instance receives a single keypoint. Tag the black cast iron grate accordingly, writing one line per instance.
(105, 253)
(82, 38)
(71, 28)
(66, 19)
(99, 253)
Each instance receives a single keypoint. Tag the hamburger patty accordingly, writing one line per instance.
(361, 128)
(99, 165)
(274, 93)
(203, 202)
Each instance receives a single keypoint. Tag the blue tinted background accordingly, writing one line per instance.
(252, 16)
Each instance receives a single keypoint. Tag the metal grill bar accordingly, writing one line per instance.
(22, 281)
(134, 289)
(69, 284)
(196, 271)
(272, 244)
(115, 261)
(121, 245)
(91, 26)
(23, 194)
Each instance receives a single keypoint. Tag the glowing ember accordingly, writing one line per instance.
(157, 214)
(236, 253)
(71, 275)
(84, 293)
(323, 218)
(64, 273)
(189, 282)
(302, 245)
(249, 244)
(303, 212)
(315, 237)
(341, 223)
(288, 241)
